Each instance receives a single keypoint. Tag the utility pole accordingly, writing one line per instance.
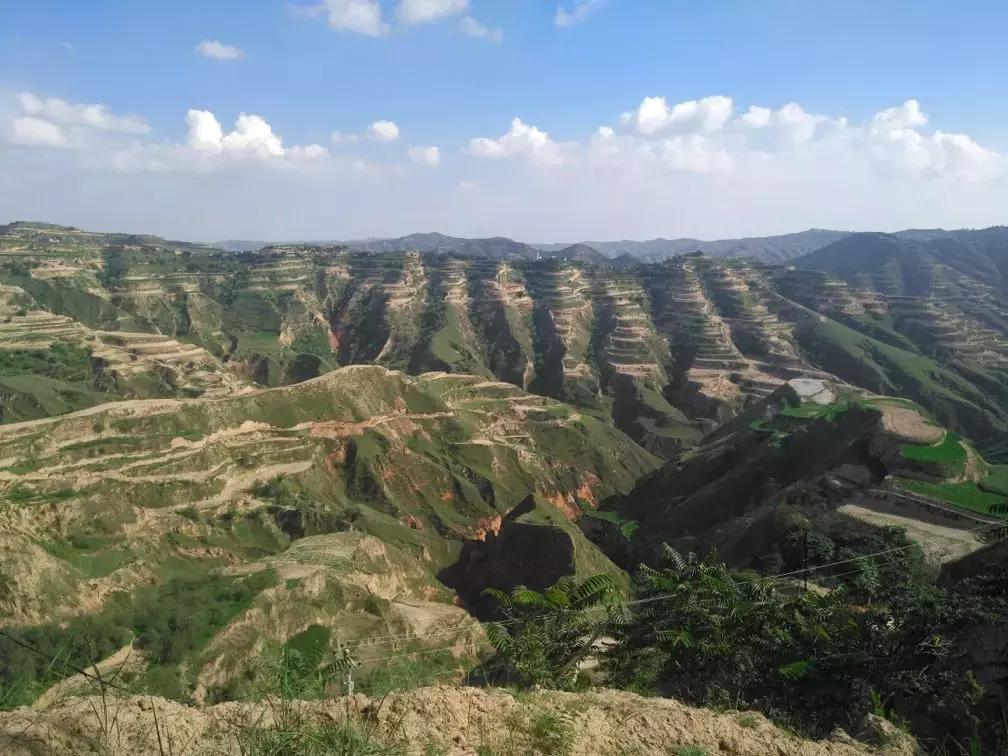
(805, 560)
(345, 663)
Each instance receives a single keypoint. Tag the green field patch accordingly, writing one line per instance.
(996, 480)
(967, 495)
(894, 401)
(949, 454)
(815, 411)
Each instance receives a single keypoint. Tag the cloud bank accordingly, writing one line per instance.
(702, 167)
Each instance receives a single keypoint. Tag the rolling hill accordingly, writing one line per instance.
(306, 446)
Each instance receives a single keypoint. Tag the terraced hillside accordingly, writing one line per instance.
(334, 503)
(816, 457)
(215, 468)
(666, 351)
(50, 364)
(940, 294)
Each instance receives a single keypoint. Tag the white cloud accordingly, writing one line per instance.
(422, 11)
(383, 131)
(252, 133)
(308, 152)
(764, 168)
(963, 158)
(59, 111)
(252, 136)
(694, 153)
(205, 132)
(702, 137)
(898, 147)
(473, 28)
(578, 12)
(654, 115)
(521, 141)
(211, 48)
(906, 116)
(36, 132)
(355, 16)
(343, 137)
(790, 124)
(425, 155)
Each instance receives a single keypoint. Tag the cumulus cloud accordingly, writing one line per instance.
(383, 131)
(252, 136)
(251, 132)
(703, 136)
(575, 13)
(205, 132)
(428, 155)
(700, 166)
(211, 48)
(521, 141)
(790, 124)
(905, 116)
(473, 28)
(57, 111)
(354, 16)
(36, 132)
(423, 11)
(654, 115)
(898, 146)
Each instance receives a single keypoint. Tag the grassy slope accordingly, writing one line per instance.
(887, 369)
(420, 490)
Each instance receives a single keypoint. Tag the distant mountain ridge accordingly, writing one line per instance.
(766, 249)
(779, 248)
(916, 262)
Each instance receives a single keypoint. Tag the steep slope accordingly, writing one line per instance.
(838, 464)
(51, 364)
(662, 350)
(334, 502)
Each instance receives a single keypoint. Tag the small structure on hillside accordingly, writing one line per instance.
(812, 390)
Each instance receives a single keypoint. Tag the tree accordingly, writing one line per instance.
(544, 636)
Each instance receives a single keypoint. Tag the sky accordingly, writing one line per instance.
(542, 120)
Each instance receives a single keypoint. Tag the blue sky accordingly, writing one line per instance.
(850, 153)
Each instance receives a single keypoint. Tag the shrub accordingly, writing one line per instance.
(545, 635)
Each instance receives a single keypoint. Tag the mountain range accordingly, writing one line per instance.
(313, 444)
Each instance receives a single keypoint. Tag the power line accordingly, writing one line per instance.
(383, 639)
(379, 640)
(477, 643)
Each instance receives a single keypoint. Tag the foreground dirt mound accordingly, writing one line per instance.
(428, 720)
